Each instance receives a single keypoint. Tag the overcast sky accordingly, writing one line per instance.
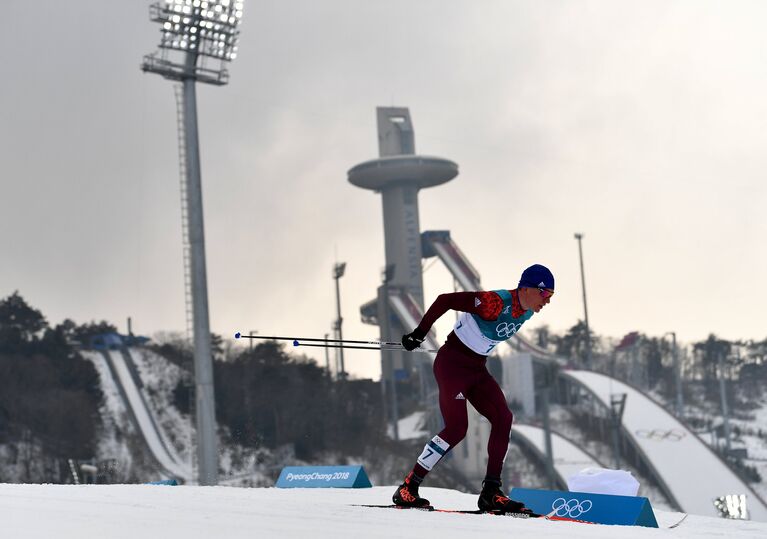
(639, 124)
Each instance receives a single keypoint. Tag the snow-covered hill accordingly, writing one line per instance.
(130, 511)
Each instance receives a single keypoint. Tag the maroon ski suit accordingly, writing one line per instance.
(462, 375)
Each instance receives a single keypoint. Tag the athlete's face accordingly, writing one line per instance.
(535, 298)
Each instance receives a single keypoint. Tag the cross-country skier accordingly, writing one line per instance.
(486, 320)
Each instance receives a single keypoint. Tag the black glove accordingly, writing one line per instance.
(413, 340)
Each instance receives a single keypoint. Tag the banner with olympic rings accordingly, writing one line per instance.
(596, 508)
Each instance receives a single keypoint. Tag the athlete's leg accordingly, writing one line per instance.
(486, 396)
(452, 382)
(488, 399)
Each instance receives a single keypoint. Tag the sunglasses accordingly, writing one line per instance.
(545, 293)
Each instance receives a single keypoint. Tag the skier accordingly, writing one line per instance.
(486, 320)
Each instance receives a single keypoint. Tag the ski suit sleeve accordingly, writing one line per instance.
(487, 305)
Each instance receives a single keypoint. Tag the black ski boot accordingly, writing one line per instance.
(407, 494)
(493, 500)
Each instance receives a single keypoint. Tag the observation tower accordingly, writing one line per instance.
(399, 174)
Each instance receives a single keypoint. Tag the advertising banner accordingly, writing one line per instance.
(596, 508)
(323, 477)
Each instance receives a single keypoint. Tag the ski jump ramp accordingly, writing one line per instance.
(692, 475)
(125, 377)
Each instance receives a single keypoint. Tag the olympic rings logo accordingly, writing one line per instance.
(506, 330)
(661, 435)
(570, 508)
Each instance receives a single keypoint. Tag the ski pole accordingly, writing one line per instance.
(381, 345)
(239, 335)
(296, 343)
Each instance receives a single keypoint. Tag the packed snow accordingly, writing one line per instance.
(188, 512)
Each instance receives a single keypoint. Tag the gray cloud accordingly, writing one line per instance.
(639, 124)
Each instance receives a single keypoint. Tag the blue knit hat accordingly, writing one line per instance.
(537, 276)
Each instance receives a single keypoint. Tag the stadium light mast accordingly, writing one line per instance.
(579, 237)
(338, 271)
(192, 32)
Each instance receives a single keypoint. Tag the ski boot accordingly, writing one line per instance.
(493, 500)
(407, 494)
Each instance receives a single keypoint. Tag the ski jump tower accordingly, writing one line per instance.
(398, 174)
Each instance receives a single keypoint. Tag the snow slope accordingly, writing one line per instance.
(161, 449)
(189, 512)
(154, 438)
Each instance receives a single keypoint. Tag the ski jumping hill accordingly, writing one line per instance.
(189, 512)
(123, 374)
(692, 475)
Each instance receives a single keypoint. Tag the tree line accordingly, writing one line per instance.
(266, 397)
(49, 394)
(649, 361)
(269, 397)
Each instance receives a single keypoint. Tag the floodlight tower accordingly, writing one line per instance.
(191, 32)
